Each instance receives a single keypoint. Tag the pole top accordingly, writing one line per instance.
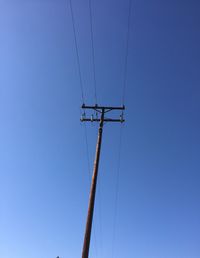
(102, 110)
(106, 108)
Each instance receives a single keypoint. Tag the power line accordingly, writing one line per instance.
(126, 52)
(116, 192)
(77, 52)
(87, 150)
(95, 97)
(82, 95)
(93, 58)
(120, 137)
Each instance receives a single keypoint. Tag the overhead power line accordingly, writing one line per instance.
(93, 57)
(87, 151)
(102, 120)
(126, 52)
(77, 52)
(116, 191)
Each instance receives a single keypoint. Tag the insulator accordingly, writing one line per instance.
(92, 118)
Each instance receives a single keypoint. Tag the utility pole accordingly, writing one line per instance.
(102, 110)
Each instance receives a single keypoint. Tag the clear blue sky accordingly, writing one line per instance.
(44, 179)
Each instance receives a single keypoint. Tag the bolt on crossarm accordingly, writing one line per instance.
(102, 110)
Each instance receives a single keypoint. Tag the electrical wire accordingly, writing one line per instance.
(126, 52)
(93, 56)
(87, 151)
(82, 96)
(121, 128)
(77, 52)
(95, 97)
(116, 191)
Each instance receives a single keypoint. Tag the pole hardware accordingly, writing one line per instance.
(102, 110)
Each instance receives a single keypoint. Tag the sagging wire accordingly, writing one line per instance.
(77, 52)
(82, 96)
(117, 191)
(126, 53)
(93, 54)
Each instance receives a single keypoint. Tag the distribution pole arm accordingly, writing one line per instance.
(98, 120)
(103, 107)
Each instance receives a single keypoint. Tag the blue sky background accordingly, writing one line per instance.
(44, 176)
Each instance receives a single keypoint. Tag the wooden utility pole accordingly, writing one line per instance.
(102, 110)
